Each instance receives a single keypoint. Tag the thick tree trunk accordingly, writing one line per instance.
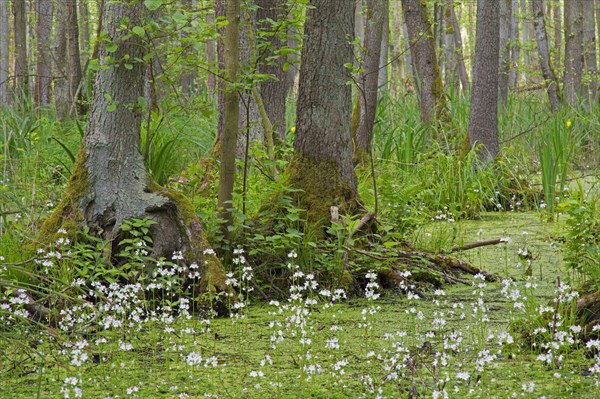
(273, 92)
(589, 52)
(109, 183)
(573, 50)
(483, 121)
(322, 162)
(368, 80)
(44, 10)
(505, 56)
(231, 112)
(4, 52)
(544, 54)
(20, 41)
(420, 34)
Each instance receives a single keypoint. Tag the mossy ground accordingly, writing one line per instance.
(156, 364)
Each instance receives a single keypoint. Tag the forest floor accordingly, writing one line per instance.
(458, 342)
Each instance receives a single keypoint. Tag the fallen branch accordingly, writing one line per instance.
(477, 244)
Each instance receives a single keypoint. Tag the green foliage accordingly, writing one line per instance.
(582, 240)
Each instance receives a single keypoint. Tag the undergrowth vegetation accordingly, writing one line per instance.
(308, 315)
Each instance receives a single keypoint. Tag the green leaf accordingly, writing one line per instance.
(138, 30)
(112, 47)
(112, 107)
(153, 4)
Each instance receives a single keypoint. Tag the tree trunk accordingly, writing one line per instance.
(20, 42)
(573, 50)
(420, 34)
(109, 183)
(4, 52)
(383, 79)
(544, 54)
(505, 56)
(44, 10)
(74, 75)
(322, 162)
(558, 33)
(368, 80)
(483, 121)
(273, 91)
(513, 79)
(398, 70)
(84, 24)
(589, 52)
(61, 83)
(525, 40)
(231, 112)
(449, 49)
(458, 44)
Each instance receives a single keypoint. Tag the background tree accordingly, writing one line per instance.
(322, 162)
(44, 10)
(4, 52)
(109, 183)
(573, 50)
(483, 120)
(20, 43)
(505, 46)
(550, 80)
(231, 112)
(422, 47)
(274, 90)
(368, 80)
(589, 52)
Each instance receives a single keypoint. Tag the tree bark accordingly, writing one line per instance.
(60, 65)
(422, 46)
(273, 91)
(109, 183)
(74, 75)
(459, 48)
(449, 48)
(558, 33)
(589, 52)
(368, 80)
(573, 50)
(322, 162)
(483, 121)
(231, 113)
(383, 79)
(44, 10)
(20, 41)
(398, 70)
(4, 52)
(513, 79)
(544, 54)
(505, 56)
